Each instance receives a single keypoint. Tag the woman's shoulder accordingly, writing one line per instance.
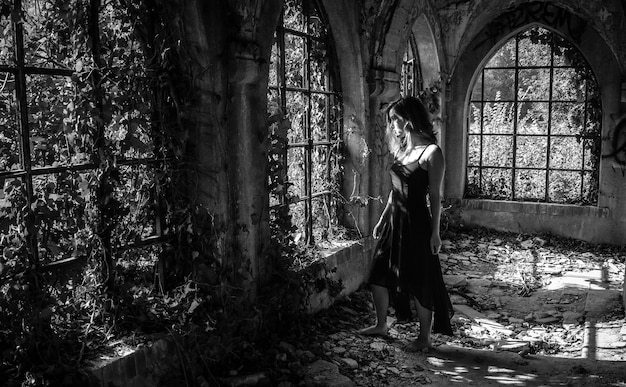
(432, 154)
(428, 150)
(419, 153)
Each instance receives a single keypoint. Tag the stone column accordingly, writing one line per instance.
(247, 167)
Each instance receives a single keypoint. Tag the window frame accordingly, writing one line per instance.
(585, 174)
(28, 171)
(333, 98)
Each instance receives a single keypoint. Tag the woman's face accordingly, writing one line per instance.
(398, 124)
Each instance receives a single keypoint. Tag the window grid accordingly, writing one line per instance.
(330, 145)
(30, 171)
(481, 167)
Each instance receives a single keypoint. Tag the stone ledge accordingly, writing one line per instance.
(550, 209)
(352, 265)
(147, 366)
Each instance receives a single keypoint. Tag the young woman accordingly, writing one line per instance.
(406, 257)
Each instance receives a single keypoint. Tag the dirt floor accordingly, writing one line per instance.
(530, 311)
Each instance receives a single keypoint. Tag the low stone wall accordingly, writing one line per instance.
(351, 265)
(146, 367)
(588, 223)
(150, 366)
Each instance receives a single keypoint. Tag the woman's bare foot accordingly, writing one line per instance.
(374, 330)
(418, 345)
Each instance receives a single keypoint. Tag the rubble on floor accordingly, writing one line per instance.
(528, 312)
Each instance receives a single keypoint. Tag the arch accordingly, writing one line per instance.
(428, 52)
(396, 25)
(593, 47)
(561, 15)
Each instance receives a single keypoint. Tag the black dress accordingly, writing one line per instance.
(403, 261)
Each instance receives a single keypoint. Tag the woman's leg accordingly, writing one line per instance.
(422, 343)
(425, 317)
(380, 295)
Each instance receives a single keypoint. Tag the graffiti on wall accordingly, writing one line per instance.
(618, 144)
(536, 12)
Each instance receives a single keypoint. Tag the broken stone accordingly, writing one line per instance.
(572, 317)
(290, 349)
(538, 241)
(527, 244)
(350, 362)
(305, 356)
(510, 345)
(324, 373)
(547, 320)
(377, 345)
(455, 281)
(335, 336)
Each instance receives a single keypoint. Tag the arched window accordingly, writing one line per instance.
(534, 123)
(411, 76)
(304, 92)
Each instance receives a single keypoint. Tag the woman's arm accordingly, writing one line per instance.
(436, 170)
(383, 217)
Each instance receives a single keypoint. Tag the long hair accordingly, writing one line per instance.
(413, 110)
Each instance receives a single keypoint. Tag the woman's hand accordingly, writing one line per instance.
(435, 243)
(377, 230)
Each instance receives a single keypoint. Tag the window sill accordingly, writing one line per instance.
(549, 209)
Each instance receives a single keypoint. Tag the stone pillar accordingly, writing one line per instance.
(247, 167)
(385, 88)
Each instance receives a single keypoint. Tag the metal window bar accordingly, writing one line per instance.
(482, 132)
(308, 149)
(584, 142)
(22, 105)
(548, 149)
(282, 87)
